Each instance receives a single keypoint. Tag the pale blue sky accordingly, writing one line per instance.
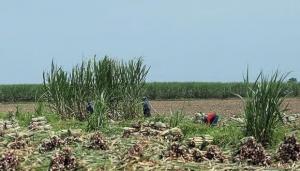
(192, 40)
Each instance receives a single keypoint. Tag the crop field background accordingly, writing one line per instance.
(155, 91)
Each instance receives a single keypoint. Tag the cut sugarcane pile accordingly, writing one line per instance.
(98, 142)
(214, 153)
(137, 126)
(127, 131)
(18, 143)
(39, 124)
(71, 136)
(9, 161)
(178, 151)
(157, 126)
(198, 155)
(195, 142)
(153, 129)
(136, 151)
(64, 137)
(173, 134)
(145, 129)
(252, 152)
(51, 144)
(7, 127)
(63, 160)
(289, 150)
(198, 142)
(291, 118)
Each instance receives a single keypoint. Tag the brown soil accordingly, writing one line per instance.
(23, 107)
(225, 107)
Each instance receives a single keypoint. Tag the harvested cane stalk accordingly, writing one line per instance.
(195, 142)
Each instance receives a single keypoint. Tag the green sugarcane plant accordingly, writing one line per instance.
(263, 106)
(56, 90)
(176, 117)
(122, 83)
(99, 119)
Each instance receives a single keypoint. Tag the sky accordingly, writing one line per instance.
(192, 40)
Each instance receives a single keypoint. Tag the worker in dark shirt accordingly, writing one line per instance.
(146, 107)
(90, 108)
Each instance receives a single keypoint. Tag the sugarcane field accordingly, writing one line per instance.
(99, 117)
(139, 85)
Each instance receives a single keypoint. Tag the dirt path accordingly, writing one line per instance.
(226, 107)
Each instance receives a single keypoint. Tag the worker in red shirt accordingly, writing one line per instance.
(211, 118)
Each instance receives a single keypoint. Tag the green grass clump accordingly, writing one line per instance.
(263, 106)
(99, 119)
(175, 118)
(122, 82)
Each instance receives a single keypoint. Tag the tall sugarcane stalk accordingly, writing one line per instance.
(263, 106)
(122, 83)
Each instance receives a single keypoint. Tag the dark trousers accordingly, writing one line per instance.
(215, 121)
(147, 112)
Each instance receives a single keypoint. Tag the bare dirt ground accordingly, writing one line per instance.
(226, 107)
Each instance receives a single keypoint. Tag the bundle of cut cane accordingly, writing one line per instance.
(9, 161)
(207, 138)
(97, 141)
(71, 135)
(195, 142)
(51, 144)
(214, 153)
(137, 150)
(145, 129)
(252, 152)
(39, 123)
(9, 126)
(18, 143)
(63, 160)
(177, 151)
(289, 150)
(158, 126)
(137, 126)
(127, 131)
(198, 156)
(173, 134)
